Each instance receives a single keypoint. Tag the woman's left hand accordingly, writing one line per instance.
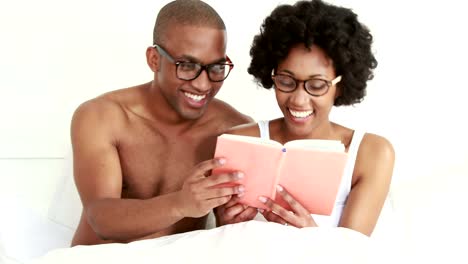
(298, 217)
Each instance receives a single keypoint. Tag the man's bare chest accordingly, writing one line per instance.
(154, 164)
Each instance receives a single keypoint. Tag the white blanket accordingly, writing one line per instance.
(249, 242)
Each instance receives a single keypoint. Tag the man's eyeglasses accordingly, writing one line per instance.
(187, 70)
(314, 86)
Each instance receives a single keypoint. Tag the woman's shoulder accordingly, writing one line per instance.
(375, 158)
(374, 161)
(374, 144)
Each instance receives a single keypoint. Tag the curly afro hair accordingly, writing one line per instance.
(336, 30)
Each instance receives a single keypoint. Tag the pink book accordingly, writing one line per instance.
(310, 169)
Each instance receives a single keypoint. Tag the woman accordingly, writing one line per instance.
(317, 55)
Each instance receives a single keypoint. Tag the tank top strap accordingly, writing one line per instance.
(264, 126)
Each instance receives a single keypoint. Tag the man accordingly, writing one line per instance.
(142, 154)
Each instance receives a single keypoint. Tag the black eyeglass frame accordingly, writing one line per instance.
(297, 82)
(205, 67)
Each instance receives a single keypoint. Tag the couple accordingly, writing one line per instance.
(142, 155)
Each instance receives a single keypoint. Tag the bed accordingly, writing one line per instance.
(249, 242)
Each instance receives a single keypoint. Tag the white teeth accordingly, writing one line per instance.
(194, 96)
(301, 114)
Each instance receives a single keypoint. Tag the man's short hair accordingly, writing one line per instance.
(185, 12)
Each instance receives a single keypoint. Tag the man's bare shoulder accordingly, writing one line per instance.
(106, 110)
(249, 129)
(232, 117)
(103, 108)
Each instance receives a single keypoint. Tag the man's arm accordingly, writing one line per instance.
(98, 177)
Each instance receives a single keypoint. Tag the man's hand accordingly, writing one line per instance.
(234, 212)
(199, 194)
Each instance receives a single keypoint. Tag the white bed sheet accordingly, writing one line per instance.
(248, 242)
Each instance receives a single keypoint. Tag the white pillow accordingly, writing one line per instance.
(27, 234)
(65, 208)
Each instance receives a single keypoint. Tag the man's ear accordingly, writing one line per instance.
(152, 58)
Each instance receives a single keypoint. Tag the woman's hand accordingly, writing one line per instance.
(234, 212)
(298, 217)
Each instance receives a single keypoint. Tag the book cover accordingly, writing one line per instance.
(310, 169)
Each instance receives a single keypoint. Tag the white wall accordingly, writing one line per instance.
(56, 54)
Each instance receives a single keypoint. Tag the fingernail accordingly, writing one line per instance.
(262, 199)
(260, 210)
(240, 175)
(240, 189)
(279, 188)
(222, 161)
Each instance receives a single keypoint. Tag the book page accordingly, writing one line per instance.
(313, 178)
(255, 140)
(318, 144)
(259, 162)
